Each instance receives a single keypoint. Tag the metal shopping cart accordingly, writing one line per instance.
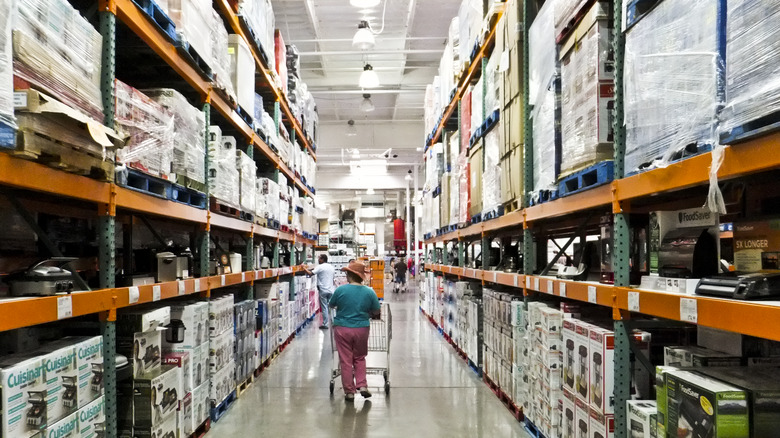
(377, 363)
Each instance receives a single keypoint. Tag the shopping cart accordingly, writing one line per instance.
(380, 333)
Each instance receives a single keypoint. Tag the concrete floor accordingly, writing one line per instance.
(433, 392)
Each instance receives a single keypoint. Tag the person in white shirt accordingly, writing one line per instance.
(324, 272)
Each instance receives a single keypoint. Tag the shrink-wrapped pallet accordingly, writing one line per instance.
(223, 174)
(259, 15)
(194, 22)
(247, 170)
(491, 176)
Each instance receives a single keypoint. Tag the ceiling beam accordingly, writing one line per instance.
(374, 52)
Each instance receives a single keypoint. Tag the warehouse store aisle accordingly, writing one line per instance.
(433, 393)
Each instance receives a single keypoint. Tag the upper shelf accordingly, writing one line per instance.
(132, 16)
(754, 156)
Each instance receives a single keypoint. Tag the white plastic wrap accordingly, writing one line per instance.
(194, 22)
(463, 187)
(223, 174)
(434, 166)
(470, 22)
(189, 127)
(150, 127)
(429, 105)
(565, 11)
(59, 50)
(446, 76)
(220, 64)
(672, 81)
(493, 81)
(259, 14)
(247, 175)
(477, 116)
(455, 197)
(7, 7)
(752, 79)
(269, 190)
(491, 176)
(242, 72)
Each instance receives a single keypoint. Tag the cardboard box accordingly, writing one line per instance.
(222, 383)
(642, 421)
(67, 427)
(581, 418)
(195, 319)
(24, 395)
(601, 425)
(132, 320)
(201, 403)
(168, 428)
(691, 356)
(444, 201)
(220, 352)
(582, 358)
(220, 315)
(602, 370)
(145, 351)
(182, 360)
(569, 425)
(512, 175)
(156, 397)
(703, 406)
(92, 418)
(89, 362)
(186, 422)
(757, 245)
(242, 72)
(570, 354)
(662, 414)
(475, 179)
(62, 377)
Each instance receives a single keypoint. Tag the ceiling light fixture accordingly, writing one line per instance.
(364, 3)
(369, 78)
(364, 37)
(370, 191)
(367, 106)
(351, 129)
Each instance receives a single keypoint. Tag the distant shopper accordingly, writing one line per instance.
(355, 304)
(325, 273)
(400, 275)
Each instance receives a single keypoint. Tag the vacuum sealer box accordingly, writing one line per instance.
(92, 417)
(757, 245)
(67, 427)
(702, 406)
(642, 421)
(662, 414)
(691, 356)
(156, 397)
(22, 375)
(59, 361)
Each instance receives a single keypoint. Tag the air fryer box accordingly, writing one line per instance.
(757, 245)
(168, 428)
(763, 391)
(183, 360)
(642, 422)
(24, 395)
(601, 425)
(690, 356)
(92, 418)
(568, 428)
(59, 361)
(156, 396)
(701, 406)
(582, 359)
(581, 419)
(570, 357)
(67, 427)
(662, 415)
(89, 361)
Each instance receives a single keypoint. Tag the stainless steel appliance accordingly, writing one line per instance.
(44, 278)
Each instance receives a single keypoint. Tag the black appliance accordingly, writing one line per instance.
(688, 253)
(96, 383)
(69, 395)
(36, 413)
(757, 286)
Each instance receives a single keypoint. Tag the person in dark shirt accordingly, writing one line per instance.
(400, 275)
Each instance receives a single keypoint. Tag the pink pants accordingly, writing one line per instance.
(352, 344)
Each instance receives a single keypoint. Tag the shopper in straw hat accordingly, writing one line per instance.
(355, 304)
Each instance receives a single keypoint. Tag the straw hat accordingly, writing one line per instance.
(356, 268)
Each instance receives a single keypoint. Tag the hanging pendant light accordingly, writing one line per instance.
(351, 130)
(364, 38)
(369, 78)
(366, 105)
(364, 3)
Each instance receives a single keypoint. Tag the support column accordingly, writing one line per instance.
(203, 234)
(275, 261)
(461, 253)
(108, 330)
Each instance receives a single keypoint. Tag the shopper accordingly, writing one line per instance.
(400, 275)
(325, 273)
(354, 304)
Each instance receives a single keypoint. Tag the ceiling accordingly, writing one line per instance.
(406, 58)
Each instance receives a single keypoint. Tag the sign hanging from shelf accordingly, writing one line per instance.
(64, 307)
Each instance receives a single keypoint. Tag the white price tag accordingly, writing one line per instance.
(64, 307)
(633, 301)
(181, 288)
(550, 287)
(528, 282)
(156, 292)
(562, 289)
(257, 275)
(592, 296)
(222, 279)
(536, 284)
(495, 277)
(197, 285)
(516, 279)
(243, 277)
(688, 310)
(134, 294)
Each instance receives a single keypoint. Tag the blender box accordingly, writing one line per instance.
(601, 425)
(691, 356)
(186, 423)
(569, 413)
(24, 395)
(195, 326)
(581, 418)
(698, 405)
(67, 427)
(183, 360)
(168, 428)
(581, 352)
(62, 379)
(570, 357)
(89, 361)
(602, 369)
(201, 403)
(641, 422)
(92, 419)
(156, 396)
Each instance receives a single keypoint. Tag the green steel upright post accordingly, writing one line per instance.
(275, 261)
(445, 257)
(485, 252)
(528, 146)
(461, 253)
(621, 245)
(203, 235)
(107, 226)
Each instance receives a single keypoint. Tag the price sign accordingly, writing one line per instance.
(633, 301)
(156, 292)
(536, 283)
(181, 287)
(550, 287)
(562, 289)
(133, 294)
(197, 285)
(64, 307)
(516, 279)
(689, 311)
(243, 277)
(222, 280)
(528, 282)
(592, 296)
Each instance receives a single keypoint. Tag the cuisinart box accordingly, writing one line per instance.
(92, 419)
(89, 361)
(24, 395)
(156, 396)
(701, 406)
(642, 421)
(68, 427)
(757, 245)
(62, 379)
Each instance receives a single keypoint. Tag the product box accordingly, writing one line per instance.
(220, 351)
(582, 418)
(475, 179)
(145, 351)
(642, 422)
(67, 427)
(183, 360)
(569, 425)
(702, 406)
(602, 370)
(690, 356)
(133, 320)
(186, 421)
(662, 414)
(195, 320)
(89, 362)
(92, 419)
(220, 315)
(62, 379)
(222, 383)
(24, 395)
(601, 425)
(156, 396)
(168, 428)
(570, 355)
(582, 357)
(757, 245)
(201, 403)
(242, 72)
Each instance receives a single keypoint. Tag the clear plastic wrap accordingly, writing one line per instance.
(752, 79)
(428, 108)
(565, 11)
(193, 20)
(220, 55)
(247, 175)
(446, 76)
(259, 14)
(455, 197)
(7, 8)
(477, 116)
(267, 198)
(463, 188)
(491, 176)
(150, 127)
(223, 173)
(587, 99)
(57, 49)
(189, 156)
(493, 81)
(470, 22)
(434, 166)
(672, 82)
(242, 72)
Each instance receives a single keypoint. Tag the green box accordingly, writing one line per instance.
(701, 406)
(660, 396)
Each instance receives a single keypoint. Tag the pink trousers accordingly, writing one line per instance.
(352, 344)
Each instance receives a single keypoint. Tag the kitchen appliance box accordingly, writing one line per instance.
(139, 337)
(156, 396)
(602, 369)
(89, 361)
(168, 428)
(581, 418)
(220, 315)
(90, 416)
(195, 318)
(68, 427)
(642, 422)
(183, 360)
(757, 246)
(662, 417)
(199, 363)
(570, 355)
(186, 422)
(569, 425)
(201, 403)
(581, 355)
(23, 390)
(222, 383)
(59, 362)
(692, 356)
(221, 351)
(703, 406)
(601, 425)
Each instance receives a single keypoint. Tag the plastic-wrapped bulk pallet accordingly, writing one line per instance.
(674, 83)
(260, 17)
(491, 175)
(150, 128)
(193, 20)
(587, 92)
(247, 170)
(220, 55)
(542, 94)
(223, 175)
(6, 74)
(242, 72)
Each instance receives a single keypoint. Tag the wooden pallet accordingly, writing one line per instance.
(512, 205)
(201, 431)
(242, 387)
(218, 206)
(40, 148)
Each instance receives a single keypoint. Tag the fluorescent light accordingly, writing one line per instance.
(370, 191)
(408, 177)
(364, 3)
(351, 130)
(364, 38)
(366, 105)
(369, 78)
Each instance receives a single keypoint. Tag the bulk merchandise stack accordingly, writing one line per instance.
(222, 341)
(245, 352)
(498, 352)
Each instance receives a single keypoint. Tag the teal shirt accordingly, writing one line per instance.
(354, 304)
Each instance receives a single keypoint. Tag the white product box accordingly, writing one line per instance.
(602, 370)
(582, 418)
(242, 72)
(168, 428)
(220, 315)
(138, 320)
(582, 356)
(146, 351)
(222, 383)
(199, 364)
(642, 421)
(195, 325)
(220, 352)
(698, 357)
(569, 426)
(570, 355)
(552, 319)
(183, 360)
(601, 425)
(186, 422)
(201, 402)
(62, 379)
(89, 362)
(156, 397)
(67, 427)
(92, 418)
(24, 396)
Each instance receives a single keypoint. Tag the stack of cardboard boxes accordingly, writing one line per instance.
(221, 348)
(245, 345)
(498, 350)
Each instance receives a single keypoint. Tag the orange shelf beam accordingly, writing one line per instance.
(27, 175)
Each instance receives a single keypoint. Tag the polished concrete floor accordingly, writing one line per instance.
(433, 392)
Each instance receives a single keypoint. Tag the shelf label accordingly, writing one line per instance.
(222, 279)
(516, 279)
(197, 285)
(181, 287)
(133, 294)
(550, 287)
(495, 277)
(64, 307)
(592, 295)
(243, 277)
(536, 284)
(562, 289)
(156, 292)
(528, 282)
(257, 275)
(633, 301)
(688, 310)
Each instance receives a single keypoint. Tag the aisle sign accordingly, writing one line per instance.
(156, 292)
(181, 287)
(633, 301)
(64, 307)
(592, 296)
(562, 289)
(133, 294)
(550, 287)
(688, 310)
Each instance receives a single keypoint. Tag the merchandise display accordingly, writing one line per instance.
(6, 64)
(224, 177)
(242, 73)
(247, 175)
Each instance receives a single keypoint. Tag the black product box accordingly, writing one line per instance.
(156, 396)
